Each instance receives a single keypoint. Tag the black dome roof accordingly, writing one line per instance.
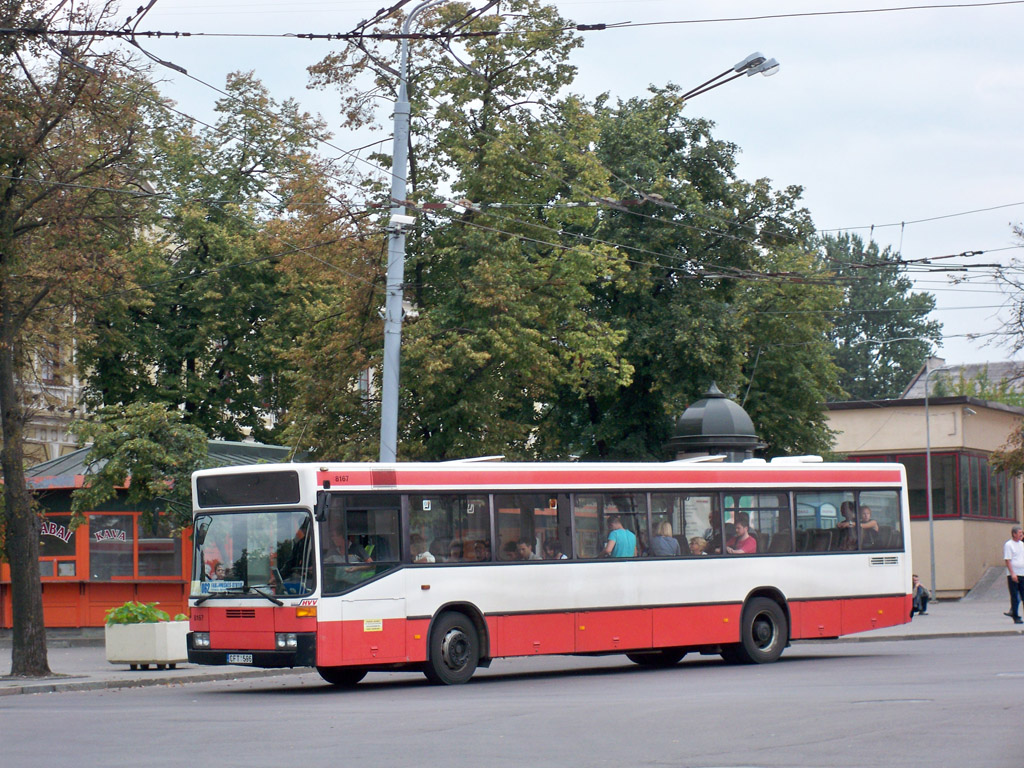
(715, 424)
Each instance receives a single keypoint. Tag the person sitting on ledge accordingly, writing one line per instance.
(920, 595)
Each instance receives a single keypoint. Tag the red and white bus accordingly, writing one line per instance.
(443, 567)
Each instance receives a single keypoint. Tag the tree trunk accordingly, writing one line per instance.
(28, 655)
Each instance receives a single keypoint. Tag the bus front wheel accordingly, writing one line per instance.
(764, 633)
(342, 677)
(454, 650)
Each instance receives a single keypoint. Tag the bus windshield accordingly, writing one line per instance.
(258, 553)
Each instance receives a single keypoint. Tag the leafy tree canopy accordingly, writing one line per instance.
(881, 331)
(215, 310)
(72, 181)
(146, 449)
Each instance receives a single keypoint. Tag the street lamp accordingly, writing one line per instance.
(928, 474)
(397, 226)
(754, 64)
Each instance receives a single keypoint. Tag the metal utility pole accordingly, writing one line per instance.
(396, 250)
(928, 473)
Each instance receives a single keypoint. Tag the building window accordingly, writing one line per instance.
(963, 485)
(159, 549)
(111, 542)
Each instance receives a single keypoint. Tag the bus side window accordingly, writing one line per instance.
(826, 521)
(528, 521)
(450, 528)
(631, 509)
(587, 511)
(883, 508)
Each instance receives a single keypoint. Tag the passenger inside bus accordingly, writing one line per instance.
(742, 543)
(482, 550)
(510, 550)
(714, 533)
(553, 550)
(664, 544)
(525, 550)
(869, 531)
(621, 542)
(698, 545)
(455, 552)
(847, 527)
(418, 549)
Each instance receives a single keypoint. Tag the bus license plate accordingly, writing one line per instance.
(239, 658)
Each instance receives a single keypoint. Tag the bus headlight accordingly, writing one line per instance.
(286, 641)
(200, 639)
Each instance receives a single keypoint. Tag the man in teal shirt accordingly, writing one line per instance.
(621, 542)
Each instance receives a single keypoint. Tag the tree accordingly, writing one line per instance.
(604, 263)
(789, 371)
(71, 189)
(715, 262)
(146, 449)
(209, 330)
(882, 335)
(501, 317)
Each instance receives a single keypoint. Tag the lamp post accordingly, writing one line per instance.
(754, 64)
(396, 250)
(928, 474)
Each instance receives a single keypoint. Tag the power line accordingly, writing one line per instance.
(446, 35)
(805, 14)
(930, 218)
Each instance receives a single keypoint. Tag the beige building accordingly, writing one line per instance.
(973, 507)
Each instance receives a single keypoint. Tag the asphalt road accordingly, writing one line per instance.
(949, 702)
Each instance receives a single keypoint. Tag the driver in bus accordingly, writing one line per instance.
(346, 551)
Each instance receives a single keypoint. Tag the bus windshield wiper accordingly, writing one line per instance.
(259, 590)
(219, 593)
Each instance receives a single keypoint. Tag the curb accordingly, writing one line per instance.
(57, 685)
(929, 636)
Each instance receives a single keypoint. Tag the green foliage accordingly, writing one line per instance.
(1010, 457)
(502, 318)
(146, 449)
(715, 262)
(74, 119)
(137, 613)
(791, 373)
(980, 386)
(882, 335)
(217, 309)
(547, 330)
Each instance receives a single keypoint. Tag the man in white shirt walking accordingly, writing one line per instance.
(1013, 556)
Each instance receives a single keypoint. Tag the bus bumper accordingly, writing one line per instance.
(303, 655)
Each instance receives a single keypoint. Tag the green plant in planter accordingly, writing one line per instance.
(138, 613)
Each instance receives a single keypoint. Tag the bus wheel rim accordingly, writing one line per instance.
(455, 649)
(763, 631)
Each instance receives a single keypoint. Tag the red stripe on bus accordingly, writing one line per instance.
(602, 478)
(398, 641)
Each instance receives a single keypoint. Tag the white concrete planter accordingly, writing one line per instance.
(161, 643)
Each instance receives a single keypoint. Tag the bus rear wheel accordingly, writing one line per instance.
(661, 657)
(454, 650)
(342, 677)
(764, 633)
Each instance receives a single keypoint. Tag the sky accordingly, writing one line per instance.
(902, 126)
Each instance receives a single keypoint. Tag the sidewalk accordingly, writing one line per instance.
(78, 659)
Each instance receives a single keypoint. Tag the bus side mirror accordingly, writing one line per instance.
(201, 529)
(320, 513)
